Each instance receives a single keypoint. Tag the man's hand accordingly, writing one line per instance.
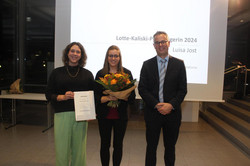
(164, 108)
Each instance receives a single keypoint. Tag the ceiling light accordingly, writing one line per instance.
(28, 19)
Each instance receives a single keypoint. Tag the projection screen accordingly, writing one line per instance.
(197, 31)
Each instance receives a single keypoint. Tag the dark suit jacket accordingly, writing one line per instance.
(174, 88)
(101, 108)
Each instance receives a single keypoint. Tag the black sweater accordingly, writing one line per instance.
(60, 82)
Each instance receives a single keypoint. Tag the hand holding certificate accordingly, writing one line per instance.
(84, 105)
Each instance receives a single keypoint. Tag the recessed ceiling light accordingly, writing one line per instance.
(28, 19)
(241, 20)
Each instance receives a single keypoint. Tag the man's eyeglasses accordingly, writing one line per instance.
(113, 56)
(163, 42)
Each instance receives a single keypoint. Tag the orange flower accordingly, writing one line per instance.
(118, 75)
(107, 76)
(128, 81)
(104, 80)
(113, 81)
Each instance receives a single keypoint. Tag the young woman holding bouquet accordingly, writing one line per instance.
(112, 117)
(70, 135)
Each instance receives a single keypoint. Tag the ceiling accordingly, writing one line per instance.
(238, 14)
(238, 11)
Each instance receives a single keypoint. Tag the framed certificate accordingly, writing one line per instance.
(84, 105)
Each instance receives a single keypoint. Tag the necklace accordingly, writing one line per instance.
(73, 76)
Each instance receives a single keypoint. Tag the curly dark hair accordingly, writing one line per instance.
(81, 62)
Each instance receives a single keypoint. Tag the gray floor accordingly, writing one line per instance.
(198, 145)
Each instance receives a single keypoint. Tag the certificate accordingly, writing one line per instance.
(84, 105)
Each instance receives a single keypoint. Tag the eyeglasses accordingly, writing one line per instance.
(73, 51)
(163, 42)
(113, 56)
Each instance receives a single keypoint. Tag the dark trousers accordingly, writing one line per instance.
(105, 129)
(170, 135)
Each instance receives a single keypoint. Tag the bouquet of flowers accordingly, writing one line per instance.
(118, 85)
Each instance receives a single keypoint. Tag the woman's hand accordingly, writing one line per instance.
(68, 95)
(105, 99)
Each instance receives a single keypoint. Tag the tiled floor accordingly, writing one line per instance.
(198, 145)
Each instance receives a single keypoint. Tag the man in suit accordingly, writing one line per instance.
(162, 105)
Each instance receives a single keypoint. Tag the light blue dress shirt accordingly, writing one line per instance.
(159, 63)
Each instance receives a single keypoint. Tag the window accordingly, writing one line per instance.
(27, 27)
(8, 30)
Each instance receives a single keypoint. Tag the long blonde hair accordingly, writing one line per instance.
(106, 67)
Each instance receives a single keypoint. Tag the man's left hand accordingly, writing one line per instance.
(164, 108)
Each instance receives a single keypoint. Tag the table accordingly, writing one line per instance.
(25, 96)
